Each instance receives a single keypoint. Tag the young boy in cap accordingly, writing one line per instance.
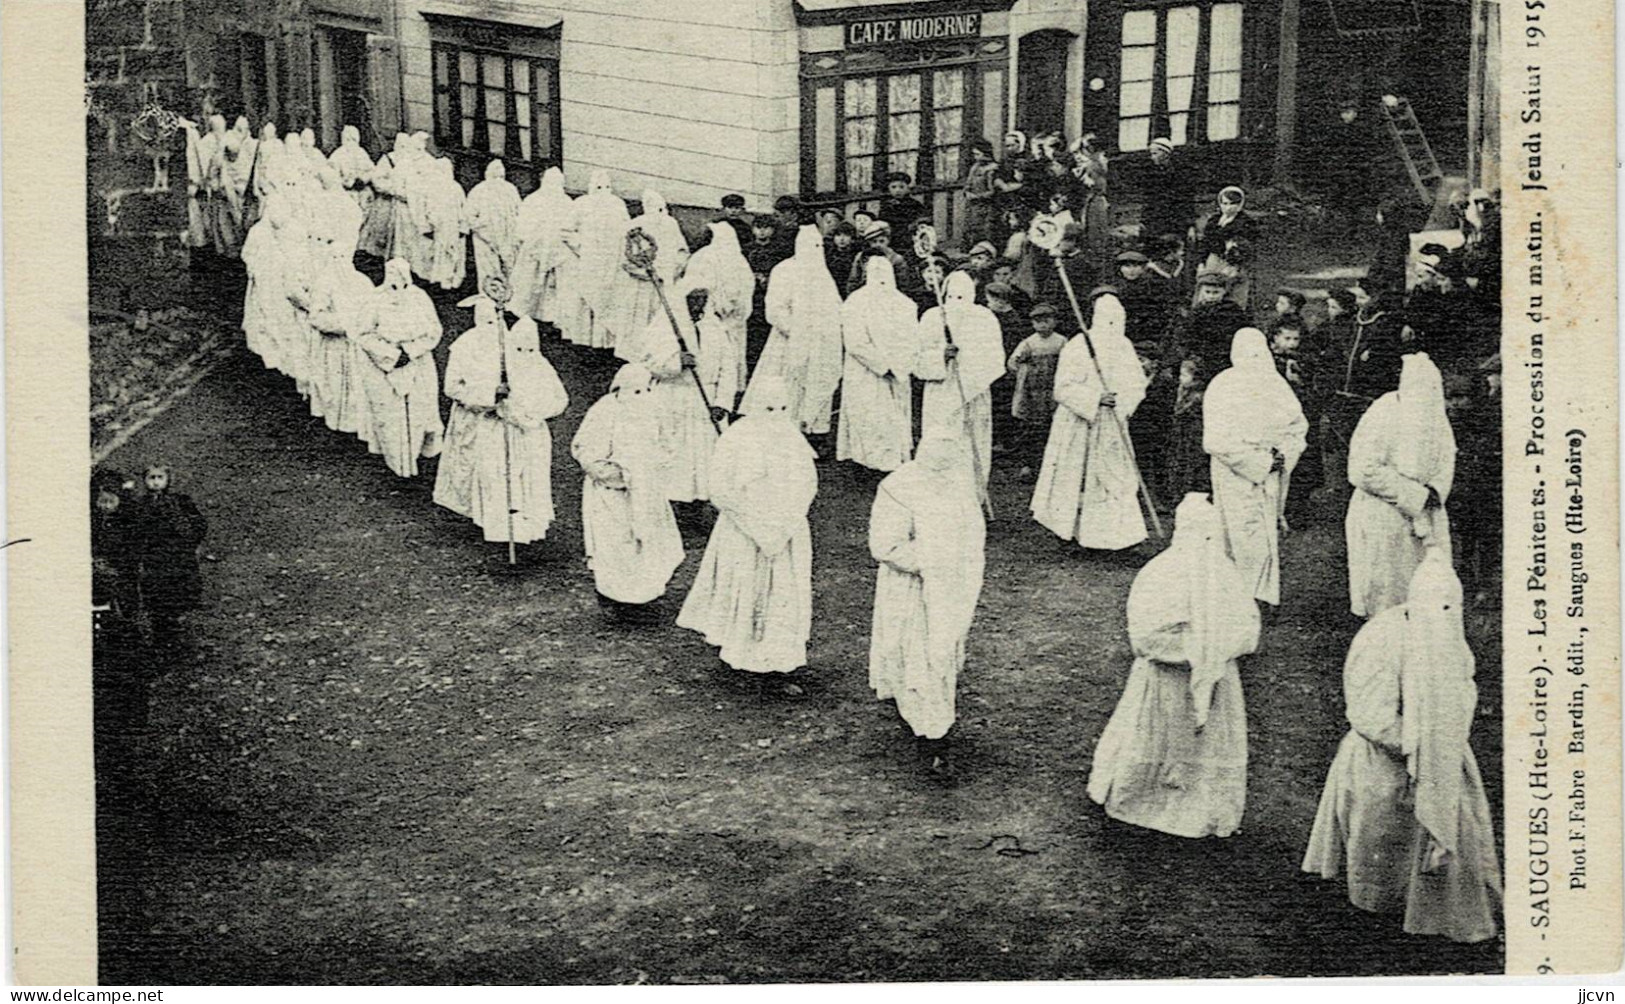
(1033, 402)
(733, 214)
(1297, 368)
(1213, 323)
(1145, 297)
(877, 238)
(899, 208)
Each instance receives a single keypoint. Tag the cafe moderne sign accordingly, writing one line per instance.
(912, 30)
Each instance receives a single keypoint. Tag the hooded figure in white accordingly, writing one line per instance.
(1402, 460)
(804, 349)
(409, 183)
(633, 301)
(1087, 486)
(275, 259)
(752, 597)
(313, 153)
(332, 279)
(880, 328)
(354, 166)
(444, 225)
(926, 531)
(598, 231)
(387, 181)
(721, 270)
(959, 379)
(403, 386)
(492, 213)
(202, 157)
(544, 221)
(631, 537)
(1404, 814)
(687, 436)
(1173, 756)
(1254, 430)
(228, 179)
(344, 310)
(498, 455)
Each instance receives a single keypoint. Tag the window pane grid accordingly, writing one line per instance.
(1179, 32)
(494, 104)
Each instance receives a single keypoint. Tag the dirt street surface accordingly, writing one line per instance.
(387, 757)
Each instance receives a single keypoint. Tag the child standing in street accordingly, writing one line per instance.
(1297, 367)
(169, 531)
(1033, 404)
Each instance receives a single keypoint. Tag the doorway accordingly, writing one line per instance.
(341, 61)
(1041, 59)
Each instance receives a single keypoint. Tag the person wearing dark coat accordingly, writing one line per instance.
(898, 208)
(1081, 269)
(733, 214)
(1166, 194)
(840, 249)
(1211, 327)
(115, 560)
(170, 530)
(1146, 297)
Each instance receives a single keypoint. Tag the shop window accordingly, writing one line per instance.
(496, 104)
(915, 122)
(1182, 65)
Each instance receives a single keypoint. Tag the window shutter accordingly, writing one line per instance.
(384, 88)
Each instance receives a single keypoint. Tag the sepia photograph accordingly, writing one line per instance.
(784, 491)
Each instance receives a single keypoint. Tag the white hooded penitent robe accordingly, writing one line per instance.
(880, 329)
(686, 434)
(1173, 757)
(1087, 487)
(1248, 410)
(804, 348)
(926, 531)
(402, 384)
(721, 270)
(1402, 446)
(958, 394)
(1403, 814)
(539, 266)
(499, 454)
(752, 596)
(491, 214)
(631, 537)
(598, 229)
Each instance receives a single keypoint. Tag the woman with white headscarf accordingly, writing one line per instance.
(1404, 814)
(1402, 461)
(598, 233)
(389, 195)
(542, 224)
(687, 436)
(446, 225)
(880, 329)
(752, 597)
(632, 299)
(492, 212)
(720, 268)
(1226, 241)
(498, 457)
(631, 537)
(1254, 431)
(961, 353)
(1173, 756)
(804, 347)
(1088, 486)
(403, 385)
(926, 531)
(354, 166)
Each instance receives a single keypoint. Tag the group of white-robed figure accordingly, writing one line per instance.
(1404, 815)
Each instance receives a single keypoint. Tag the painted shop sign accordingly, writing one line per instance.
(912, 30)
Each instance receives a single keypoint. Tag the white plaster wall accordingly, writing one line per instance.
(693, 98)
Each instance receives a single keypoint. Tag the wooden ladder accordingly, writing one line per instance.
(1406, 132)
